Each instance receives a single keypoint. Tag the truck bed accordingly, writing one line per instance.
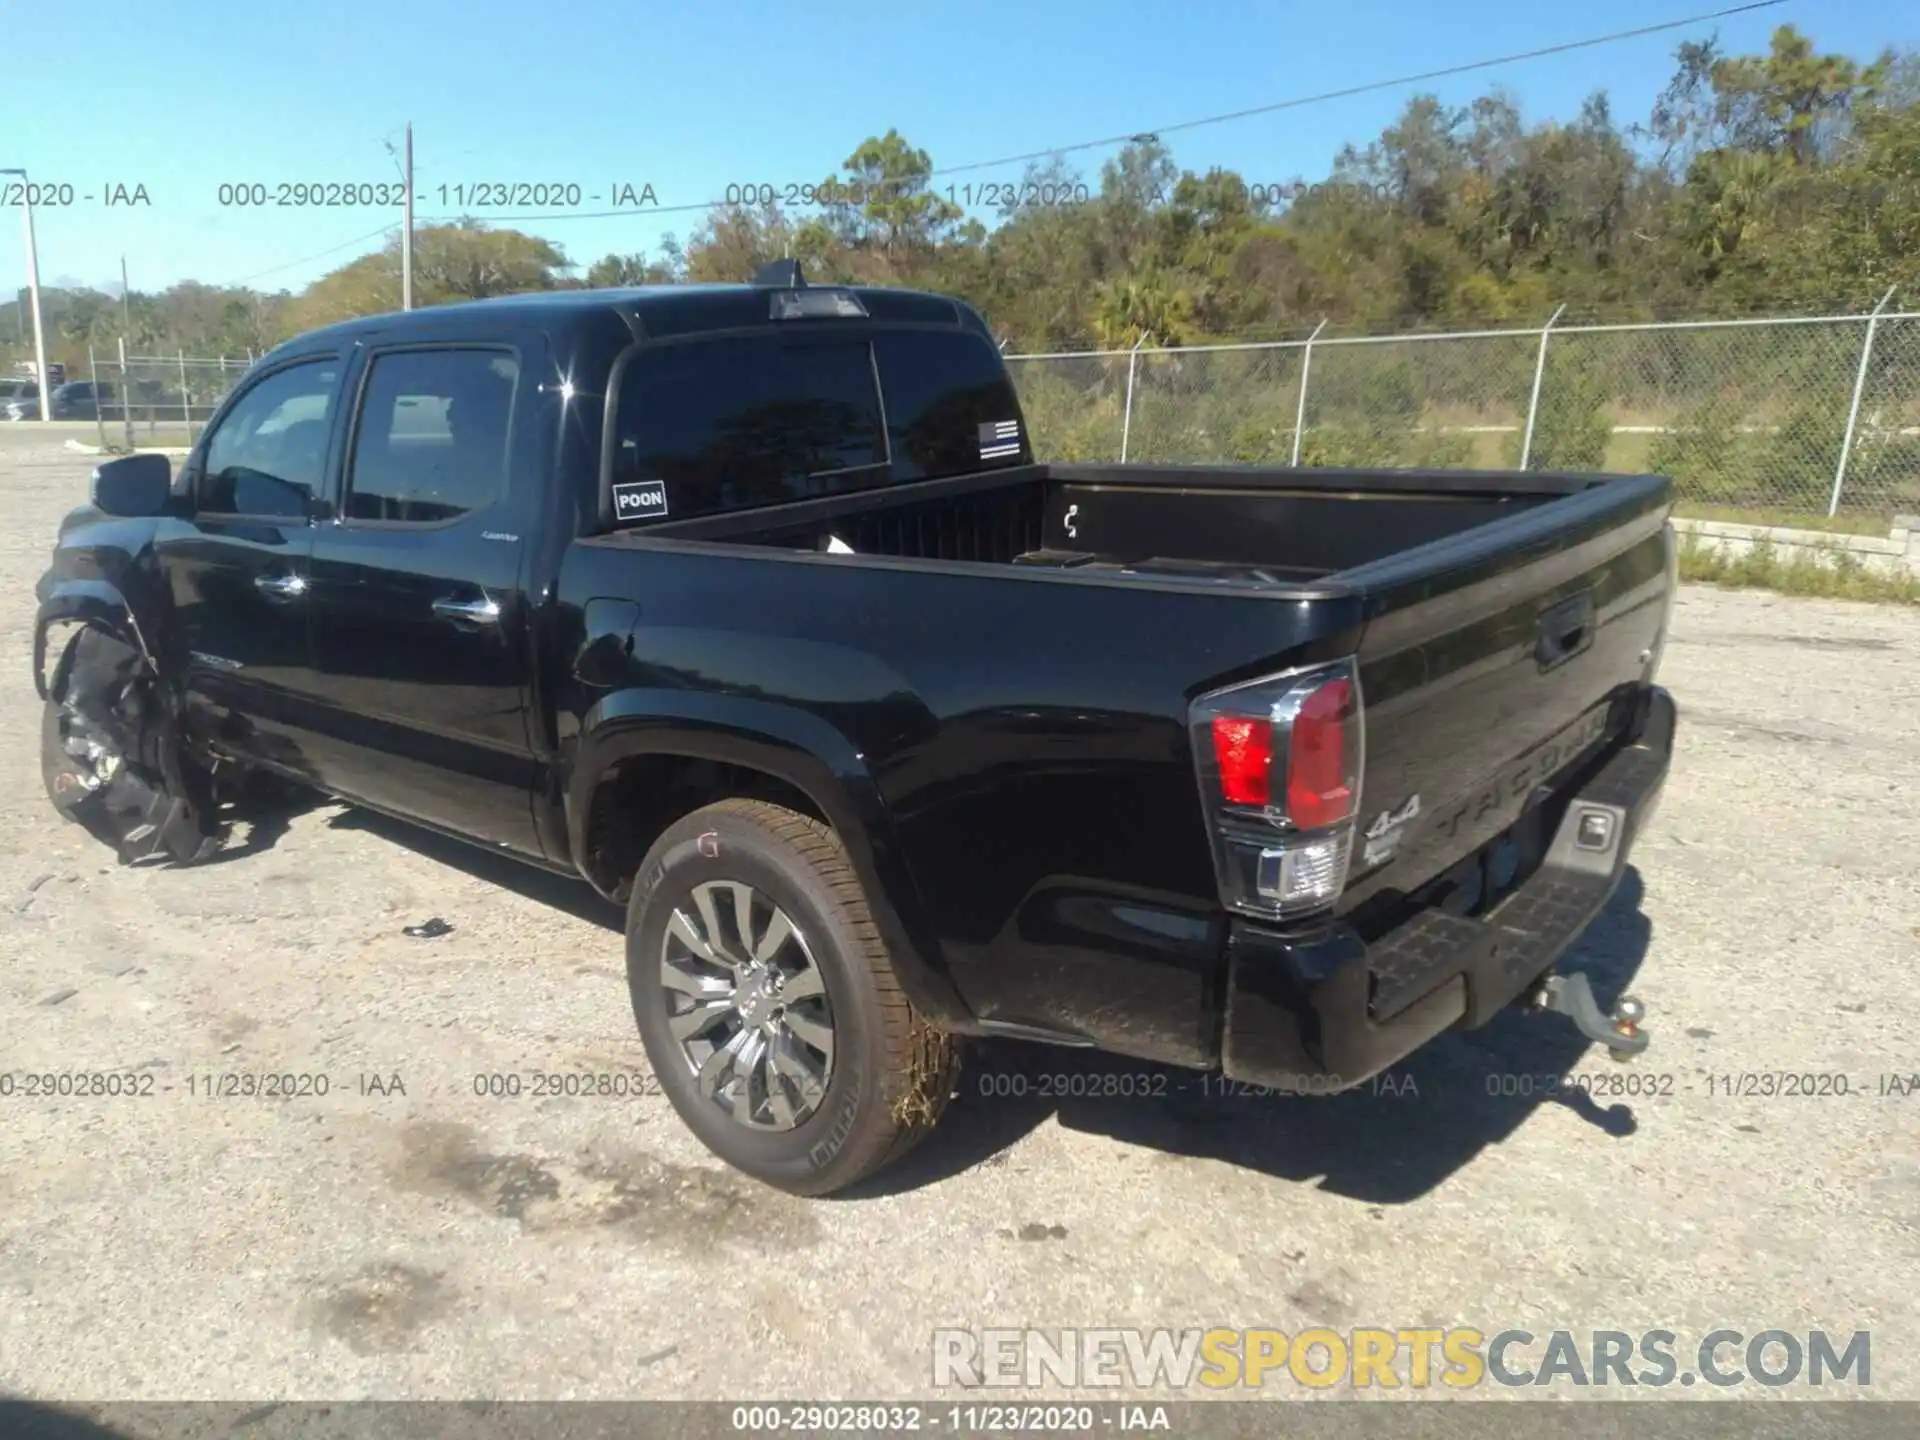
(1012, 657)
(1192, 524)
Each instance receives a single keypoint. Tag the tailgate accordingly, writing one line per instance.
(1493, 664)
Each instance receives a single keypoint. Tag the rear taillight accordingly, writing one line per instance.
(1323, 757)
(1280, 764)
(1243, 750)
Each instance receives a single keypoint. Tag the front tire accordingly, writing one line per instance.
(112, 761)
(769, 1006)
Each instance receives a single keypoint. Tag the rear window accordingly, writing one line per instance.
(730, 423)
(739, 421)
(950, 406)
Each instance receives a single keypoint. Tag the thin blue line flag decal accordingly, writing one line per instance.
(999, 439)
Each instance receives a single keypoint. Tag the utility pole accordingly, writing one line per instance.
(406, 235)
(126, 301)
(33, 289)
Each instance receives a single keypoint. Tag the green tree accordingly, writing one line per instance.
(1149, 305)
(737, 240)
(467, 260)
(611, 271)
(894, 209)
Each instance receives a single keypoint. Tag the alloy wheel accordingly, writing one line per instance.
(747, 1005)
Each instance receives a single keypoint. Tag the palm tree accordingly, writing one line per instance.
(1144, 303)
(1730, 191)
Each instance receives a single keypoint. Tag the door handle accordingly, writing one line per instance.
(1564, 630)
(281, 586)
(468, 614)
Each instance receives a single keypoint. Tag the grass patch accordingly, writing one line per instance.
(1831, 574)
(1843, 524)
(1495, 451)
(1628, 454)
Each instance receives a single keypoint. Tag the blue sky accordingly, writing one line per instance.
(692, 97)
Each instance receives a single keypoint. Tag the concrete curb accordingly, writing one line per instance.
(1897, 554)
(80, 447)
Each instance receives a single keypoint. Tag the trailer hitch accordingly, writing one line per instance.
(1571, 996)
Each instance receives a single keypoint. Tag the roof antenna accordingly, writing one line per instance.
(784, 274)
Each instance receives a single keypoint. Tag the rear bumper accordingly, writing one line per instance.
(1301, 1006)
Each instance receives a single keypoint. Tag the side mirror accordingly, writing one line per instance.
(133, 485)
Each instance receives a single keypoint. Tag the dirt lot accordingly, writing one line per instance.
(404, 1236)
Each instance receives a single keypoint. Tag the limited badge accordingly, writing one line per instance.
(1383, 834)
(640, 500)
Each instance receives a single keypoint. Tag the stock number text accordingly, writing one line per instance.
(327, 194)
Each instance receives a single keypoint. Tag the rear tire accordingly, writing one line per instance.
(775, 1022)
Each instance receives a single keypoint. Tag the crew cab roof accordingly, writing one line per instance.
(649, 310)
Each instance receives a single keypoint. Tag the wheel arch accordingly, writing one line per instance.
(79, 604)
(796, 756)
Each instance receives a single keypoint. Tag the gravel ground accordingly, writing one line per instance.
(402, 1236)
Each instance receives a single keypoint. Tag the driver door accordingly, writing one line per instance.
(239, 568)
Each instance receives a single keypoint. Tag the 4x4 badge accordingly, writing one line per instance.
(1388, 821)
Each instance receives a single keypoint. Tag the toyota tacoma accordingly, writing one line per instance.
(750, 606)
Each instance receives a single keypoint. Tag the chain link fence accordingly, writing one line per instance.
(153, 400)
(1885, 455)
(1075, 405)
(1773, 419)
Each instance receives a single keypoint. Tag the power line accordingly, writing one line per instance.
(308, 259)
(386, 142)
(1369, 87)
(1516, 57)
(1563, 48)
(629, 213)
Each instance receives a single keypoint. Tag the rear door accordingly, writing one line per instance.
(419, 621)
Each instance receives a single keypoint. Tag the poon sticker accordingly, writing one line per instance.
(640, 500)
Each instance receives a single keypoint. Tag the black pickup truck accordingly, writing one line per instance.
(750, 605)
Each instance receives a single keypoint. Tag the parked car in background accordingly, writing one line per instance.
(81, 400)
(146, 401)
(19, 400)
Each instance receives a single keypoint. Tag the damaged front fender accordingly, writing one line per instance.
(104, 572)
(110, 751)
(72, 606)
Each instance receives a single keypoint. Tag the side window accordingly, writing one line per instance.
(433, 435)
(725, 424)
(269, 452)
(950, 406)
